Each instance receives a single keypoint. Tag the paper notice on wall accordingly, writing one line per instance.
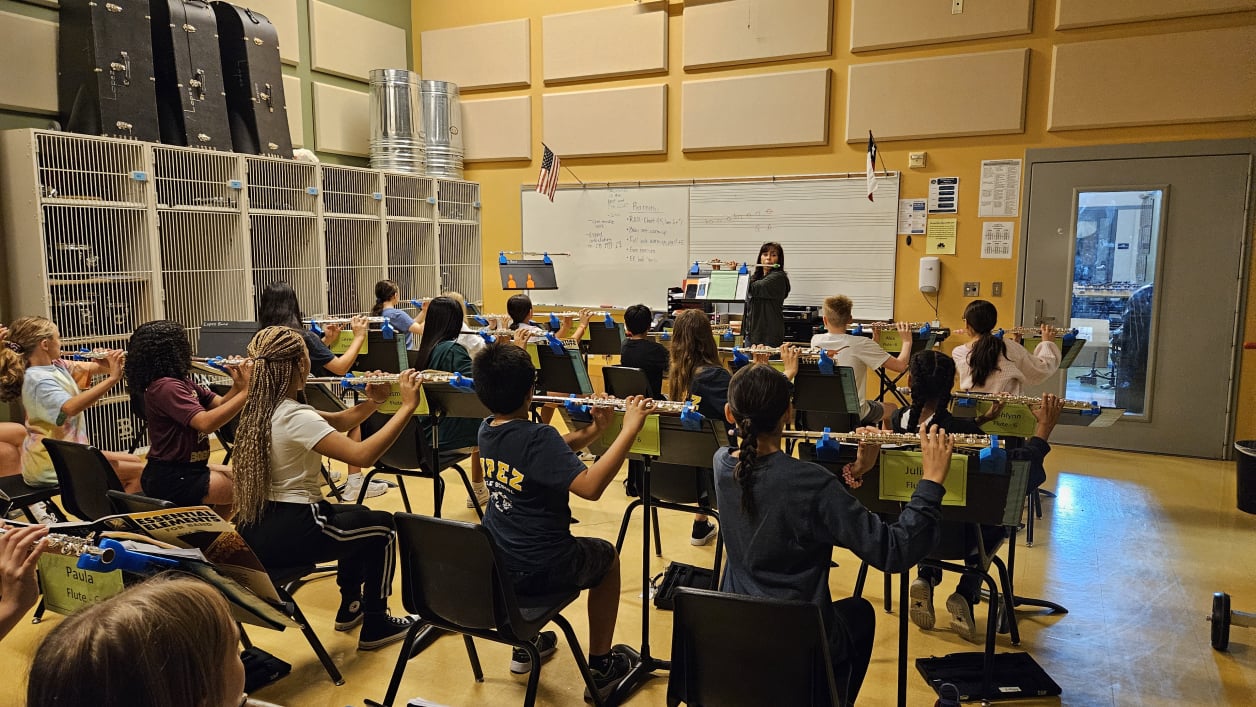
(941, 237)
(911, 217)
(944, 195)
(996, 239)
(1000, 188)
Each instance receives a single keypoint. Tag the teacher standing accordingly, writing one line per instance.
(764, 321)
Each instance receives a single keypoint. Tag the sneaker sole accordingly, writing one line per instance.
(350, 625)
(520, 668)
(962, 618)
(921, 606)
(699, 542)
(381, 642)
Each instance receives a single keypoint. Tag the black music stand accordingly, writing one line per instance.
(919, 342)
(527, 274)
(826, 399)
(446, 401)
(563, 373)
(605, 340)
(623, 381)
(225, 338)
(383, 354)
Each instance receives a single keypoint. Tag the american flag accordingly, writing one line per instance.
(872, 166)
(547, 180)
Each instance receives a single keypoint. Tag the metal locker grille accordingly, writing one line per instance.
(286, 248)
(282, 185)
(204, 261)
(408, 197)
(458, 201)
(412, 259)
(351, 191)
(186, 178)
(112, 426)
(78, 169)
(460, 260)
(355, 263)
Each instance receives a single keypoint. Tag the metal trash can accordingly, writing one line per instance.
(1246, 475)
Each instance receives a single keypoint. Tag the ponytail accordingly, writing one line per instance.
(25, 334)
(384, 291)
(987, 349)
(759, 397)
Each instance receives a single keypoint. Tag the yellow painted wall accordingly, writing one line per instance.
(500, 182)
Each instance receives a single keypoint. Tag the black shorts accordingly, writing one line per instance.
(181, 483)
(582, 567)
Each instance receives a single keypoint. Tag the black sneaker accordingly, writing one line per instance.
(379, 630)
(613, 673)
(545, 642)
(703, 533)
(349, 616)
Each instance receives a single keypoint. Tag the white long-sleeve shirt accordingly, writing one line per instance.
(1016, 370)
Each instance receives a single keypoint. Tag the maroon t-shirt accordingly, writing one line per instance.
(170, 404)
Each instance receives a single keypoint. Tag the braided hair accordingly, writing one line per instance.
(384, 291)
(277, 352)
(25, 334)
(759, 396)
(987, 349)
(932, 377)
(158, 349)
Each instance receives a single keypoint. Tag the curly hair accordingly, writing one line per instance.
(759, 397)
(277, 352)
(932, 377)
(693, 348)
(25, 333)
(158, 349)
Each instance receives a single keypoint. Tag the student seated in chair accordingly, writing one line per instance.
(530, 470)
(861, 354)
(639, 351)
(783, 516)
(280, 510)
(932, 375)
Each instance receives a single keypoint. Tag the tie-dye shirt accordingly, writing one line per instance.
(44, 390)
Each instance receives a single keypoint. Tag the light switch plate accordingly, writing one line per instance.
(996, 289)
(957, 7)
(917, 160)
(972, 289)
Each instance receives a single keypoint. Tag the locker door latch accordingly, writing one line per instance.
(265, 97)
(123, 66)
(197, 83)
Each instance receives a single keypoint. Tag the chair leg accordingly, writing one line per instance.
(658, 537)
(623, 526)
(889, 593)
(534, 674)
(1008, 609)
(581, 662)
(438, 485)
(315, 643)
(366, 482)
(394, 683)
(1029, 522)
(466, 482)
(39, 612)
(405, 495)
(860, 579)
(1037, 502)
(474, 657)
(335, 492)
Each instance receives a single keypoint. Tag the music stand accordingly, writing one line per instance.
(383, 354)
(605, 340)
(826, 399)
(623, 381)
(563, 373)
(527, 274)
(919, 342)
(446, 401)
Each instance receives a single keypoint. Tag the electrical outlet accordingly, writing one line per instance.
(996, 289)
(972, 289)
(916, 160)
(957, 7)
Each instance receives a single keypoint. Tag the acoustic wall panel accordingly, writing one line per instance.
(32, 45)
(1087, 13)
(296, 109)
(497, 129)
(882, 24)
(1187, 77)
(748, 31)
(945, 96)
(493, 55)
(762, 110)
(613, 121)
(614, 41)
(341, 120)
(373, 44)
(283, 15)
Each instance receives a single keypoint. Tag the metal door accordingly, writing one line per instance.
(1142, 248)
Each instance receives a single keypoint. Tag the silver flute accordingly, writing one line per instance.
(662, 407)
(882, 437)
(72, 546)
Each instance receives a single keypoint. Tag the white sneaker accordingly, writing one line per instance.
(481, 495)
(354, 484)
(334, 476)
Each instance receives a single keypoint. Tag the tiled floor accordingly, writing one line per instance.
(1134, 546)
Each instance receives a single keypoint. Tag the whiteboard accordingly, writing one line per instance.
(835, 240)
(627, 245)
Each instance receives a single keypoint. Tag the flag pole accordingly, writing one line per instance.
(573, 174)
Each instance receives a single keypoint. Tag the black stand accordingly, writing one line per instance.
(826, 399)
(446, 401)
(604, 340)
(563, 373)
(919, 342)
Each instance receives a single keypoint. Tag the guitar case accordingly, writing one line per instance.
(191, 97)
(256, 107)
(105, 82)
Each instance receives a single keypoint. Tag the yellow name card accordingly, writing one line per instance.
(393, 403)
(341, 344)
(67, 588)
(647, 441)
(1015, 420)
(901, 472)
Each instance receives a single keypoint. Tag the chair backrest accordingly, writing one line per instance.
(320, 397)
(779, 648)
(5, 503)
(449, 572)
(623, 381)
(683, 474)
(85, 476)
(135, 503)
(409, 451)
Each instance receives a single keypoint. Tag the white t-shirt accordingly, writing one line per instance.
(295, 466)
(858, 352)
(471, 341)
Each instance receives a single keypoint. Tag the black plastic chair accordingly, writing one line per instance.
(85, 476)
(623, 381)
(124, 503)
(779, 647)
(411, 456)
(21, 496)
(450, 576)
